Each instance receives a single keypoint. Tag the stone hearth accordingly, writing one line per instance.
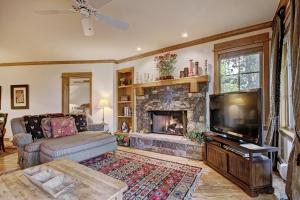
(167, 144)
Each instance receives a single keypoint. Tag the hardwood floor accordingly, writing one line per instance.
(211, 186)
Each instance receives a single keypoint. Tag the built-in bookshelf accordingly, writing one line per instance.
(125, 97)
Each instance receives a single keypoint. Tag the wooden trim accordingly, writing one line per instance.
(200, 41)
(192, 81)
(67, 62)
(255, 39)
(77, 75)
(65, 88)
(265, 81)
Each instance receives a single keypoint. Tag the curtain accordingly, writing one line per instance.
(275, 69)
(293, 177)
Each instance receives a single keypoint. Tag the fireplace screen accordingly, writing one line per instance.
(169, 122)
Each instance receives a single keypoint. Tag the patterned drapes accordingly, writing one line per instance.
(275, 68)
(293, 178)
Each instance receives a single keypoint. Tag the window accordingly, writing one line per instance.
(241, 72)
(286, 109)
(243, 64)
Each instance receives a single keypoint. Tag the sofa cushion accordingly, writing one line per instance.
(63, 126)
(80, 121)
(60, 147)
(33, 125)
(35, 146)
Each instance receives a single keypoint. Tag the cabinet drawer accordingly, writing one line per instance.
(217, 157)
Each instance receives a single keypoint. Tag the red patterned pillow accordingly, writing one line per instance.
(63, 126)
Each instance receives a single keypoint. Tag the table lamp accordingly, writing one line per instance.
(102, 104)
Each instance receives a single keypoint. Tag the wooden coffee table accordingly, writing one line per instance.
(93, 184)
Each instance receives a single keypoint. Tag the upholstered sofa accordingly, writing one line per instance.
(79, 147)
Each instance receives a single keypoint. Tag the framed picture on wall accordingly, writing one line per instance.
(19, 95)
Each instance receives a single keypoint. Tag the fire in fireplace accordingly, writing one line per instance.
(169, 122)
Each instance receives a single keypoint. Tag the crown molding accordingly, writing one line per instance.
(66, 62)
(203, 40)
(219, 36)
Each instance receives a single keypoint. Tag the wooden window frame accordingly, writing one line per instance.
(239, 46)
(65, 88)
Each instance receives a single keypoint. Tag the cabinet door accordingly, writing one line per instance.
(239, 167)
(217, 157)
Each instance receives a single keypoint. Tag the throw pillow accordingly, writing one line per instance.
(46, 127)
(33, 125)
(80, 122)
(63, 126)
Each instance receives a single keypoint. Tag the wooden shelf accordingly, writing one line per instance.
(121, 102)
(125, 86)
(192, 81)
(124, 90)
(125, 117)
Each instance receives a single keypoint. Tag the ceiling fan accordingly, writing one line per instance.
(88, 9)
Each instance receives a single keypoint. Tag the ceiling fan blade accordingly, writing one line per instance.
(111, 21)
(98, 3)
(87, 26)
(55, 12)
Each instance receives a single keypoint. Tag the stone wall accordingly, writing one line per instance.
(168, 98)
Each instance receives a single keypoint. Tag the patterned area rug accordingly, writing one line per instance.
(148, 178)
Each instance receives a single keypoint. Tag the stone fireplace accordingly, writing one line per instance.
(168, 122)
(169, 99)
(165, 114)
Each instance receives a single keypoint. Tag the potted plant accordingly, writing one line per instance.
(165, 65)
(196, 136)
(122, 138)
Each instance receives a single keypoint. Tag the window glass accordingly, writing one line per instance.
(240, 72)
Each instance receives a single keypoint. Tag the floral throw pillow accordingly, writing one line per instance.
(33, 125)
(80, 121)
(63, 126)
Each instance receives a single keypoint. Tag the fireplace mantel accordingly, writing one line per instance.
(192, 81)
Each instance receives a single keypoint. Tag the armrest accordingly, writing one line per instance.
(95, 127)
(22, 139)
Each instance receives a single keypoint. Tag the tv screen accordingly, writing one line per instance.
(237, 115)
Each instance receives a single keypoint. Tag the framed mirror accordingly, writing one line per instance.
(77, 92)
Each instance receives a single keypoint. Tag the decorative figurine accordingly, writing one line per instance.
(191, 71)
(124, 127)
(196, 68)
(186, 72)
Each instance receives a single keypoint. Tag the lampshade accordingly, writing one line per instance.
(103, 102)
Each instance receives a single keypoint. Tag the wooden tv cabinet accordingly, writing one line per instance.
(252, 174)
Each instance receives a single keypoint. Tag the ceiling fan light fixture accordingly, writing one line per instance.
(87, 26)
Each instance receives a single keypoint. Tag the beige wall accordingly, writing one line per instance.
(45, 88)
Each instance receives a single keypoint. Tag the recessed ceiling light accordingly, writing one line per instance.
(138, 48)
(184, 35)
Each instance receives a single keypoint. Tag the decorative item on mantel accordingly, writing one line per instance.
(191, 68)
(165, 65)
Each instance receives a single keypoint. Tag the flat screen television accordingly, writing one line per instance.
(237, 115)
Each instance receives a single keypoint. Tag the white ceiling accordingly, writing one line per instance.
(25, 36)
